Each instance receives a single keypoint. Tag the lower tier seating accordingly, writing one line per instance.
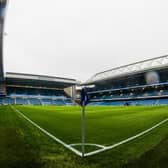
(147, 102)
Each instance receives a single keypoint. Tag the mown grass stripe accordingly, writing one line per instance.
(127, 140)
(48, 134)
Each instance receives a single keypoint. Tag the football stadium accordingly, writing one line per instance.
(120, 120)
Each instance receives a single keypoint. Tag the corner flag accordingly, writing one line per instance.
(84, 97)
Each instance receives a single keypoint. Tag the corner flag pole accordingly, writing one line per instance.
(84, 101)
(83, 130)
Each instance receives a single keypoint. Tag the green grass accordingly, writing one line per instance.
(104, 125)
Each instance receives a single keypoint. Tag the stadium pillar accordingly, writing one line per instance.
(3, 4)
(74, 92)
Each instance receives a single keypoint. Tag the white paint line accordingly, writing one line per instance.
(48, 134)
(88, 144)
(104, 148)
(126, 140)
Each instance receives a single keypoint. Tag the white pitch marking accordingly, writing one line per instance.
(126, 140)
(47, 133)
(88, 144)
(96, 151)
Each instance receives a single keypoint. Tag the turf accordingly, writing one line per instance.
(104, 125)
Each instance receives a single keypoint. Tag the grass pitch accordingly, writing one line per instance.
(104, 125)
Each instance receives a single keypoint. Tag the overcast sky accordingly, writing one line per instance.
(78, 38)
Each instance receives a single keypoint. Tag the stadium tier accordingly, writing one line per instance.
(141, 83)
(26, 89)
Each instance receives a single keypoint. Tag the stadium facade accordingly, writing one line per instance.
(141, 83)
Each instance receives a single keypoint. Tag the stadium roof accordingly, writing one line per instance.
(38, 80)
(137, 67)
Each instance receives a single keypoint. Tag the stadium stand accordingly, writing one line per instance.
(141, 83)
(27, 89)
(17, 88)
